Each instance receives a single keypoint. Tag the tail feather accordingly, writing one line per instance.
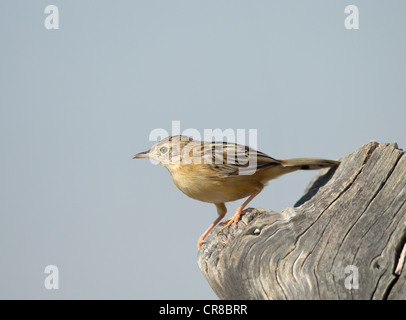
(308, 163)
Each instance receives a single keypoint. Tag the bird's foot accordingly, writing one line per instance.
(235, 218)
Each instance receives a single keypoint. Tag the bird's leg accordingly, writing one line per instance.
(240, 210)
(221, 210)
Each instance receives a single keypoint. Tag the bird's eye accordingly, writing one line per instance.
(163, 150)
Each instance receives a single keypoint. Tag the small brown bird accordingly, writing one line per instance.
(220, 172)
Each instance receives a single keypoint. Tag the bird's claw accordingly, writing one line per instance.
(235, 218)
(200, 243)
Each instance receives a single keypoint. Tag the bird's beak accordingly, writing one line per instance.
(141, 155)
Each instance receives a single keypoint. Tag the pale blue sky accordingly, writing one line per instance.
(77, 103)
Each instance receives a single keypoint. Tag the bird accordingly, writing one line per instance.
(220, 172)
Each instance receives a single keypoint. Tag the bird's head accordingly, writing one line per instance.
(167, 151)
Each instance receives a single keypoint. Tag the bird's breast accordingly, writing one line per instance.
(200, 183)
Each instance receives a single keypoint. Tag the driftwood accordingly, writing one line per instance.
(344, 239)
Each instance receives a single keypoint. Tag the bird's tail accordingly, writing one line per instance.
(308, 163)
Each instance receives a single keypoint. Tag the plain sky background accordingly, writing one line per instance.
(77, 103)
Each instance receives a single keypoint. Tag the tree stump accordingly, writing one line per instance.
(344, 239)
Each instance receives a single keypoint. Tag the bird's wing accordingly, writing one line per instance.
(233, 159)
